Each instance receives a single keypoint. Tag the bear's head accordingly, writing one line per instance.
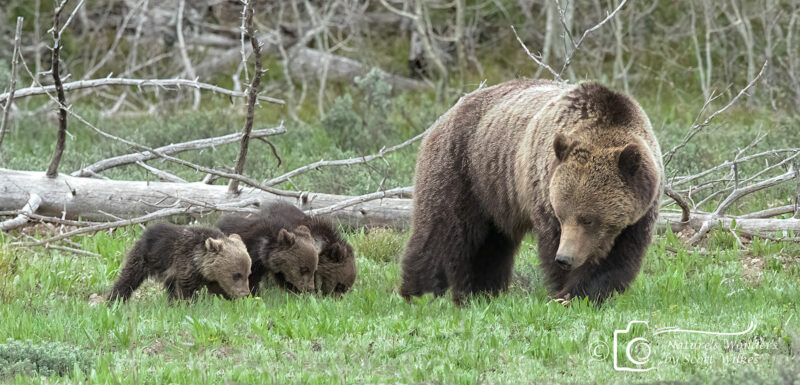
(596, 192)
(226, 262)
(336, 271)
(294, 259)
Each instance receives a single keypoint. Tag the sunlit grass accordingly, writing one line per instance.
(371, 335)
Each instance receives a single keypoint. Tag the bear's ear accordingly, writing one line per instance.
(629, 160)
(562, 146)
(302, 230)
(286, 238)
(214, 245)
(235, 237)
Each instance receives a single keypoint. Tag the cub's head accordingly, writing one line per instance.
(294, 259)
(596, 192)
(226, 262)
(336, 271)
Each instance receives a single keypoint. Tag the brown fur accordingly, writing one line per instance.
(577, 164)
(289, 257)
(336, 271)
(186, 259)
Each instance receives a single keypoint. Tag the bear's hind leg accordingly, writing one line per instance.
(132, 276)
(422, 269)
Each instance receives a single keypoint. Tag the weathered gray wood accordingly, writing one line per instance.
(98, 199)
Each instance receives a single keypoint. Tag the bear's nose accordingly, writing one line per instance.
(564, 261)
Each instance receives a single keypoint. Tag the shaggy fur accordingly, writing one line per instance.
(289, 257)
(577, 164)
(336, 271)
(186, 259)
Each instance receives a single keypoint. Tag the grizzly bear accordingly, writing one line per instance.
(289, 257)
(577, 164)
(336, 271)
(186, 259)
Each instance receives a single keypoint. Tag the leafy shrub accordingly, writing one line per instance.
(366, 128)
(44, 359)
(344, 123)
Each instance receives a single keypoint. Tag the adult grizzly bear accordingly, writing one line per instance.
(186, 259)
(577, 164)
(288, 255)
(336, 271)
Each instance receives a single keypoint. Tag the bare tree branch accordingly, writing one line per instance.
(342, 162)
(121, 160)
(163, 83)
(541, 64)
(30, 207)
(61, 138)
(184, 55)
(10, 100)
(696, 128)
(252, 91)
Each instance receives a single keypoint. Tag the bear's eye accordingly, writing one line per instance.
(304, 271)
(237, 277)
(585, 221)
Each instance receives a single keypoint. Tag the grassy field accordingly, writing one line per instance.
(370, 335)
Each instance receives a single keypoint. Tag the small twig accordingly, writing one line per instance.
(10, 100)
(343, 162)
(576, 45)
(361, 199)
(67, 248)
(163, 213)
(161, 174)
(541, 64)
(252, 91)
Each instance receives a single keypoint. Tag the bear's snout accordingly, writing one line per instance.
(564, 261)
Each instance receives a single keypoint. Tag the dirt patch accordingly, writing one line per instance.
(752, 270)
(155, 348)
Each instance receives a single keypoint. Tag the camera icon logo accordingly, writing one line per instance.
(631, 348)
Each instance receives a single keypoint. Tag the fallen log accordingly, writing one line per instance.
(107, 200)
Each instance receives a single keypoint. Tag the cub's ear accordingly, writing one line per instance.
(214, 245)
(302, 230)
(562, 146)
(319, 244)
(286, 238)
(630, 160)
(235, 237)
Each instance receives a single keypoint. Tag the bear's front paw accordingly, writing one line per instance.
(563, 298)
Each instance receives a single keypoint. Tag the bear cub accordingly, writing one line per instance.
(186, 259)
(286, 254)
(336, 271)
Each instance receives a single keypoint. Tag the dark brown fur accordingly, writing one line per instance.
(578, 165)
(336, 271)
(287, 254)
(186, 259)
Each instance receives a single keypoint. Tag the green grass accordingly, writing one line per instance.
(371, 335)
